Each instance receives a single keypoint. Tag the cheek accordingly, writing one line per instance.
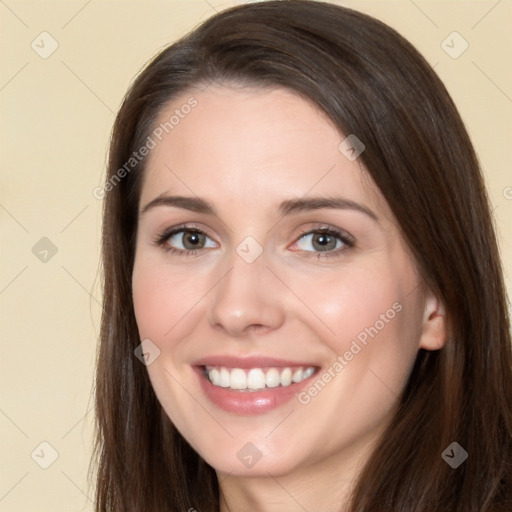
(353, 302)
(151, 301)
(369, 320)
(165, 305)
(162, 298)
(373, 316)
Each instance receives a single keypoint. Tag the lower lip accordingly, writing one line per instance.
(249, 402)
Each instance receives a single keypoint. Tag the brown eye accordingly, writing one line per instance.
(324, 240)
(184, 240)
(193, 240)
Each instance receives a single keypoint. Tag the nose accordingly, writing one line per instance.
(247, 300)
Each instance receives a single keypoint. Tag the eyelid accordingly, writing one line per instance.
(167, 233)
(322, 227)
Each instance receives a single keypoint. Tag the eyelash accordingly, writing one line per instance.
(346, 239)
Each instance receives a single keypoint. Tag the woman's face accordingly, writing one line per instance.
(264, 253)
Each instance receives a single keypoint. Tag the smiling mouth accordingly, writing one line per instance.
(256, 379)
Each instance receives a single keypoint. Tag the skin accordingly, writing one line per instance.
(245, 150)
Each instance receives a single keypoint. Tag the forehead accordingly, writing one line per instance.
(251, 146)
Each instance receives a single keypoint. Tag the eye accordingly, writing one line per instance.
(324, 240)
(319, 242)
(184, 240)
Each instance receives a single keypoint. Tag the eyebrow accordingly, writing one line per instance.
(288, 207)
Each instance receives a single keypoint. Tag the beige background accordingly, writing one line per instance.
(56, 116)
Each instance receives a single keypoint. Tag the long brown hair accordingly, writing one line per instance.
(373, 83)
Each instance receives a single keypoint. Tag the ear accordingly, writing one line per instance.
(434, 326)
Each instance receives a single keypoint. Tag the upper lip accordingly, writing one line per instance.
(230, 361)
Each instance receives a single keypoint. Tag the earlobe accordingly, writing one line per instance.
(434, 327)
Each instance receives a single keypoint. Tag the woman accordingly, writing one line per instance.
(303, 302)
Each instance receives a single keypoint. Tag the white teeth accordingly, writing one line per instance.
(238, 379)
(256, 378)
(224, 378)
(214, 376)
(307, 373)
(286, 377)
(272, 378)
(297, 375)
